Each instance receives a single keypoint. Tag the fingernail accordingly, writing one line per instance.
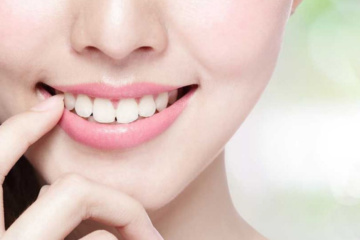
(48, 103)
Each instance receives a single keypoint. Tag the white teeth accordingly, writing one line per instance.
(172, 96)
(83, 106)
(147, 106)
(127, 111)
(103, 110)
(161, 101)
(69, 101)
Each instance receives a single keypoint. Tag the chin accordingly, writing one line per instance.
(146, 176)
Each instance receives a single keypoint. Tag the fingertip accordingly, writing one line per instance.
(49, 104)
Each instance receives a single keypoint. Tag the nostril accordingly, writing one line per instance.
(146, 48)
(91, 49)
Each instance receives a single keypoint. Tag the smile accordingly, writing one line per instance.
(106, 117)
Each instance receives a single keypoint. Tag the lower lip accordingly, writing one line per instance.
(120, 136)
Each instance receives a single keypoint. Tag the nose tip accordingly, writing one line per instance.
(118, 28)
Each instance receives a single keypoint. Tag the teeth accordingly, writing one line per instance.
(69, 101)
(172, 96)
(161, 101)
(147, 106)
(103, 111)
(127, 111)
(83, 106)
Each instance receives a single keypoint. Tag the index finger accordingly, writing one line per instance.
(72, 199)
(20, 131)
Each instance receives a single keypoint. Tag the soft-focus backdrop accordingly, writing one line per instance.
(294, 164)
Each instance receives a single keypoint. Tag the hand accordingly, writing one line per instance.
(60, 207)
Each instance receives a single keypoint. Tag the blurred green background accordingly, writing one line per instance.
(294, 164)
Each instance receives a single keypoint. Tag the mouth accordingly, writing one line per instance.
(107, 117)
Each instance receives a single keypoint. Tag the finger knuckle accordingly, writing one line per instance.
(7, 122)
(43, 189)
(139, 213)
(73, 185)
(139, 208)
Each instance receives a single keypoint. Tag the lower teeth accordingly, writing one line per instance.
(91, 118)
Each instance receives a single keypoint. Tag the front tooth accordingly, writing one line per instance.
(69, 101)
(83, 106)
(127, 110)
(103, 110)
(147, 106)
(172, 96)
(161, 101)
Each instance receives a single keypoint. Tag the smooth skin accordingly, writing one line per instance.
(178, 181)
(77, 197)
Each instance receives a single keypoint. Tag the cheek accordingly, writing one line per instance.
(228, 35)
(16, 26)
(236, 43)
(25, 29)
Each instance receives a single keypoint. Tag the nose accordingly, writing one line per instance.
(117, 28)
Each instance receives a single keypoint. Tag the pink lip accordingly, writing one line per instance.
(119, 136)
(99, 90)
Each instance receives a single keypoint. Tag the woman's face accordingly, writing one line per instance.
(227, 47)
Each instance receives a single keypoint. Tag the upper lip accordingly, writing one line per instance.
(102, 90)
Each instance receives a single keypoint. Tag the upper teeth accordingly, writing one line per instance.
(125, 110)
